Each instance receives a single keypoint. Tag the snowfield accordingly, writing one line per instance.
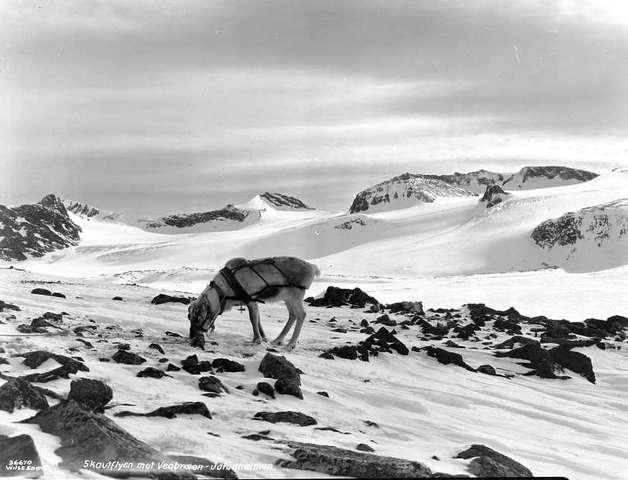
(447, 253)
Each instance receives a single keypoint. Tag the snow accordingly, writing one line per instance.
(567, 428)
(446, 253)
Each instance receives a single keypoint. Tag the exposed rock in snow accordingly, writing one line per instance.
(279, 200)
(493, 195)
(87, 435)
(187, 408)
(36, 229)
(490, 463)
(597, 234)
(227, 218)
(18, 393)
(88, 211)
(547, 176)
(91, 394)
(297, 418)
(404, 191)
(475, 182)
(349, 463)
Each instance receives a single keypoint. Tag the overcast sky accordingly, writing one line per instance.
(158, 107)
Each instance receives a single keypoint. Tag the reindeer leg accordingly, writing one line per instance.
(300, 317)
(254, 317)
(259, 326)
(287, 326)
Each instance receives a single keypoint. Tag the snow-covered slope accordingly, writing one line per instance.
(403, 191)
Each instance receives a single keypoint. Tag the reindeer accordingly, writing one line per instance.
(251, 282)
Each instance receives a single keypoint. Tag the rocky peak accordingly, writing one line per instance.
(36, 229)
(493, 195)
(281, 200)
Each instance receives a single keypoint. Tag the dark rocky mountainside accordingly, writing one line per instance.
(36, 229)
(493, 195)
(88, 211)
(599, 224)
(559, 174)
(281, 200)
(183, 220)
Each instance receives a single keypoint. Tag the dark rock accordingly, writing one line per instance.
(4, 361)
(278, 367)
(338, 297)
(124, 346)
(19, 448)
(363, 447)
(118, 299)
(226, 365)
(57, 294)
(256, 437)
(517, 339)
(81, 329)
(445, 357)
(489, 463)
(87, 435)
(494, 195)
(194, 367)
(187, 408)
(172, 368)
(212, 384)
(90, 394)
(331, 429)
(364, 323)
(289, 386)
(128, 358)
(452, 344)
(385, 340)
(415, 308)
(8, 306)
(172, 334)
(163, 298)
(297, 418)
(386, 320)
(574, 361)
(41, 291)
(349, 463)
(157, 347)
(486, 369)
(323, 394)
(340, 330)
(509, 325)
(466, 331)
(539, 358)
(266, 388)
(350, 352)
(17, 393)
(152, 372)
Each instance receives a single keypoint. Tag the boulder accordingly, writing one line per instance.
(486, 369)
(226, 365)
(128, 358)
(386, 320)
(383, 340)
(17, 393)
(212, 385)
(278, 367)
(156, 346)
(445, 357)
(575, 361)
(163, 298)
(187, 408)
(88, 435)
(41, 291)
(8, 306)
(194, 367)
(490, 463)
(58, 294)
(349, 463)
(339, 297)
(20, 448)
(152, 372)
(414, 308)
(363, 447)
(91, 394)
(296, 418)
(266, 388)
(289, 386)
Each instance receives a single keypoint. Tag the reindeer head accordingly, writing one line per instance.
(202, 314)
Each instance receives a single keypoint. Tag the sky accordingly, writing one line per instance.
(153, 107)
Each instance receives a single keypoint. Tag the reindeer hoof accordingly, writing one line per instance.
(277, 342)
(290, 346)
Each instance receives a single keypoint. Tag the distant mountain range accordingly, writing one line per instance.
(413, 188)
